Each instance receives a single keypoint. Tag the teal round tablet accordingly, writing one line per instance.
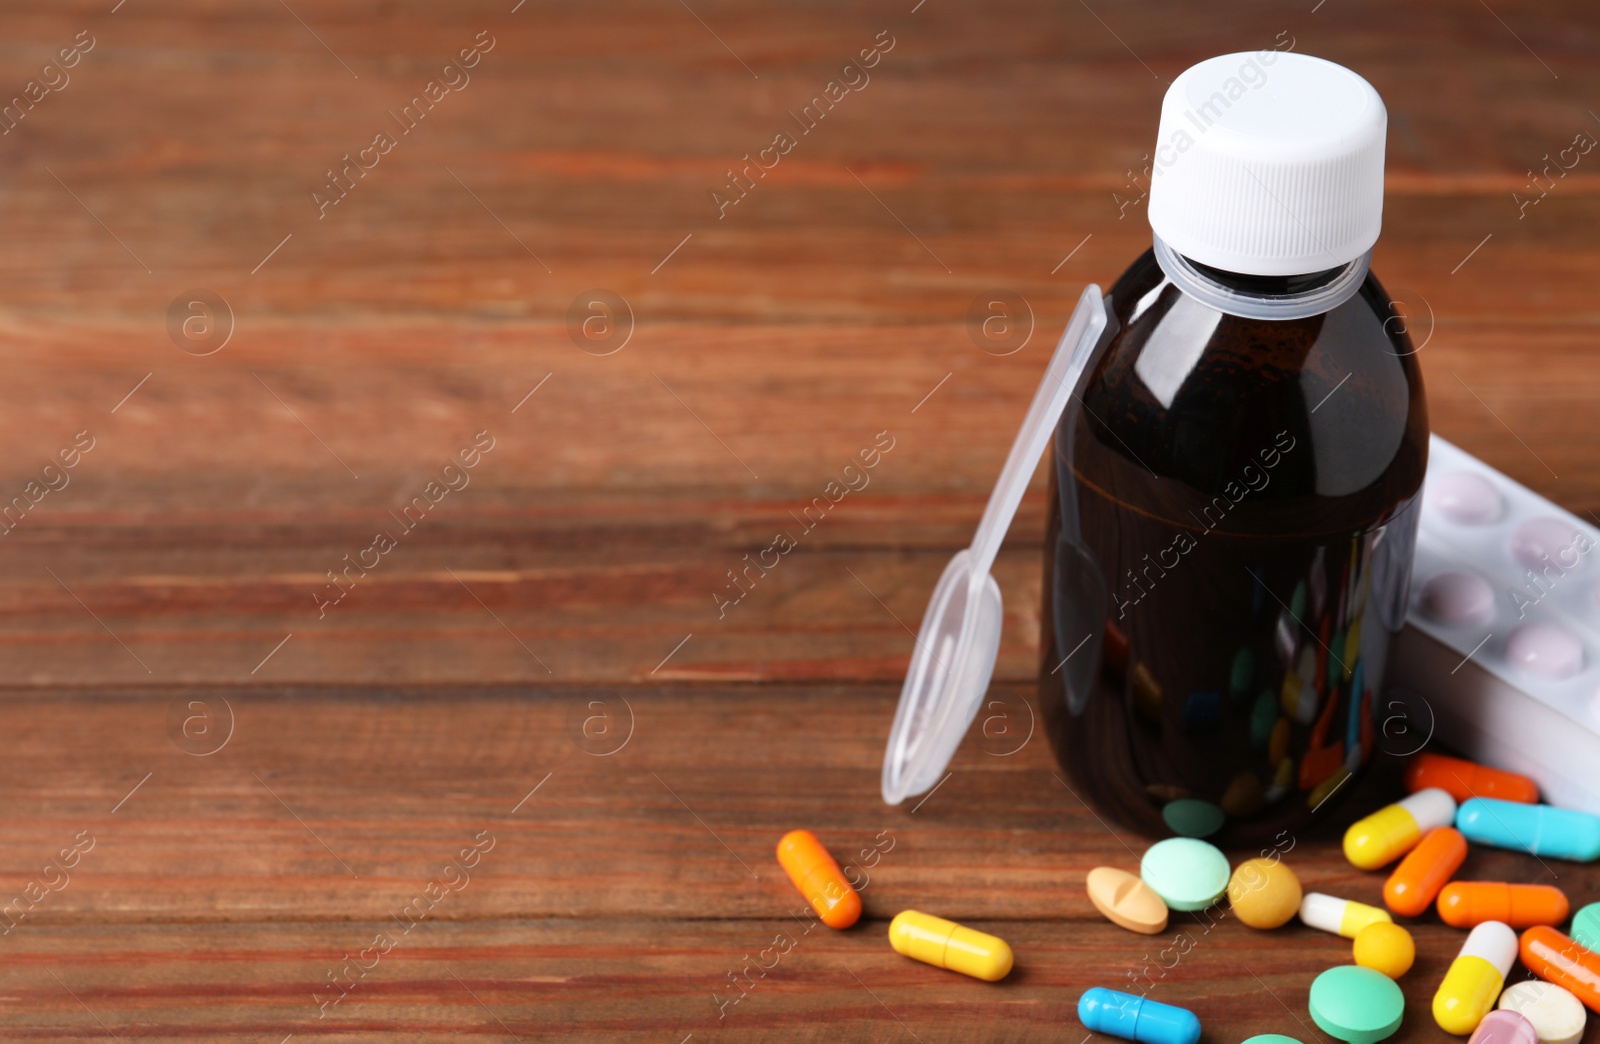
(1271, 1038)
(1188, 874)
(1191, 817)
(1357, 1004)
(1586, 926)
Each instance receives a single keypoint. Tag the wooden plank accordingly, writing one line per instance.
(613, 893)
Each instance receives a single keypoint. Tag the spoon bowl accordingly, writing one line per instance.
(949, 673)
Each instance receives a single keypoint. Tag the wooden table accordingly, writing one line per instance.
(263, 768)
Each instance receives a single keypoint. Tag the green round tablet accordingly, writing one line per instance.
(1586, 927)
(1357, 1004)
(1186, 873)
(1271, 1038)
(1191, 817)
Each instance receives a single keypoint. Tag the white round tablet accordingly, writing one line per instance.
(1556, 1015)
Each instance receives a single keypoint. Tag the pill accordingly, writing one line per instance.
(1464, 904)
(1545, 649)
(1332, 782)
(1136, 1018)
(1504, 1027)
(819, 879)
(1464, 497)
(1264, 893)
(1278, 741)
(1555, 958)
(1244, 671)
(1453, 597)
(1463, 779)
(1270, 1038)
(1356, 1004)
(1125, 900)
(1555, 1014)
(1541, 830)
(1340, 916)
(1473, 982)
(1262, 717)
(1244, 796)
(1394, 830)
(1191, 817)
(1188, 874)
(1540, 542)
(1426, 869)
(1385, 947)
(945, 944)
(1586, 926)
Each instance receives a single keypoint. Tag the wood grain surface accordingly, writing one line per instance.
(539, 663)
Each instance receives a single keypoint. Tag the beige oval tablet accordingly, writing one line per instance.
(1126, 900)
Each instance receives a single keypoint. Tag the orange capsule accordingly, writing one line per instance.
(819, 879)
(1467, 904)
(1427, 868)
(1555, 958)
(1467, 779)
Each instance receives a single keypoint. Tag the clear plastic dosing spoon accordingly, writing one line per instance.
(955, 651)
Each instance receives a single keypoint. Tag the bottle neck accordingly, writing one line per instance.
(1268, 286)
(1278, 298)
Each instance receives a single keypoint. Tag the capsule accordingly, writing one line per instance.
(1391, 832)
(819, 879)
(1555, 958)
(1427, 868)
(1473, 982)
(1344, 917)
(1136, 1018)
(1463, 779)
(1541, 830)
(1464, 904)
(945, 944)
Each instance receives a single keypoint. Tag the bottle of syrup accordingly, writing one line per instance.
(1240, 465)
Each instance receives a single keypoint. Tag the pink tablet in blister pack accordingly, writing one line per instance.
(1500, 656)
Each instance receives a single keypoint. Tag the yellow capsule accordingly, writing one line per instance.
(1474, 980)
(1391, 832)
(945, 944)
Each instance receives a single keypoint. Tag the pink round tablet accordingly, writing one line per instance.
(1549, 541)
(1545, 648)
(1465, 497)
(1504, 1027)
(1453, 597)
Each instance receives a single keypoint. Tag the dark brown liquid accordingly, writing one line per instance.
(1248, 489)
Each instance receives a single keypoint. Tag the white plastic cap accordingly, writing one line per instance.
(1269, 163)
(1431, 808)
(1495, 942)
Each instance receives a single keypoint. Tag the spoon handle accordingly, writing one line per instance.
(1077, 344)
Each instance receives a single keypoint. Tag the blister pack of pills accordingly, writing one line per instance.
(1500, 656)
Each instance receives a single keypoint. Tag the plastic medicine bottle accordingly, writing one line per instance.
(1240, 463)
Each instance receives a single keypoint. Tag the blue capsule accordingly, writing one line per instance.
(1542, 830)
(1135, 1018)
